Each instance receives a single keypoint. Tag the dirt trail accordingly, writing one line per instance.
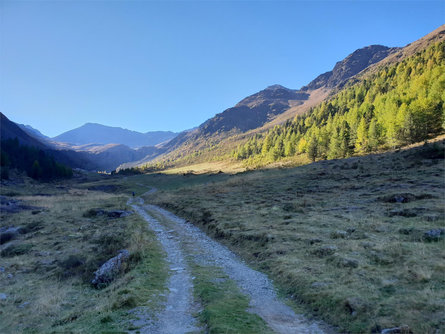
(180, 239)
(263, 298)
(177, 316)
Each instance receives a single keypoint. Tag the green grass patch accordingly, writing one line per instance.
(224, 306)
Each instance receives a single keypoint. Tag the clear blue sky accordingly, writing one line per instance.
(146, 65)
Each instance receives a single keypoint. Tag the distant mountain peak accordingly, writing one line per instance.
(94, 133)
(354, 63)
(276, 86)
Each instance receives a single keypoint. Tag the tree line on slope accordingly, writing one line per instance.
(399, 105)
(35, 162)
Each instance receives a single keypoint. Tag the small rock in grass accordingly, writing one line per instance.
(355, 305)
(434, 235)
(3, 296)
(94, 212)
(379, 258)
(315, 241)
(23, 305)
(368, 245)
(325, 250)
(406, 230)
(398, 198)
(432, 217)
(8, 234)
(110, 269)
(15, 249)
(339, 234)
(397, 330)
(345, 262)
(118, 213)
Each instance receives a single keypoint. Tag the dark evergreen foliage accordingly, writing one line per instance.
(35, 162)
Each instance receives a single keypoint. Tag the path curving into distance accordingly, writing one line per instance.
(182, 240)
(176, 318)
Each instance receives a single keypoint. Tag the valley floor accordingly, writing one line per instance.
(358, 243)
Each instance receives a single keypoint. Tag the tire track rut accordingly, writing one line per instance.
(176, 318)
(180, 240)
(263, 298)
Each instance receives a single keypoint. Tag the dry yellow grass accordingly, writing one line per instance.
(47, 285)
(332, 233)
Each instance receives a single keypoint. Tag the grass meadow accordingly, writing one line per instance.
(46, 272)
(346, 239)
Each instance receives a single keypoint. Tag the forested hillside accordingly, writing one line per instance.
(34, 161)
(398, 105)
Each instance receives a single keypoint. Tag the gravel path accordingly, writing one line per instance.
(263, 298)
(176, 318)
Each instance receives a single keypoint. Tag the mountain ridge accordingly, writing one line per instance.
(221, 133)
(95, 133)
(105, 157)
(353, 64)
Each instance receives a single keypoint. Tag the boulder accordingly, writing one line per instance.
(397, 330)
(119, 213)
(339, 234)
(110, 269)
(325, 250)
(355, 305)
(344, 262)
(15, 249)
(398, 198)
(434, 235)
(95, 212)
(8, 234)
(101, 212)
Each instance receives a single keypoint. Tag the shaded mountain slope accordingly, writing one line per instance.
(111, 156)
(33, 132)
(89, 157)
(10, 130)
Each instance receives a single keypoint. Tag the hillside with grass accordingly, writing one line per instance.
(375, 99)
(350, 240)
(399, 105)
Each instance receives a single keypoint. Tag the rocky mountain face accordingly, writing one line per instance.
(260, 108)
(255, 110)
(92, 133)
(350, 66)
(263, 107)
(277, 104)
